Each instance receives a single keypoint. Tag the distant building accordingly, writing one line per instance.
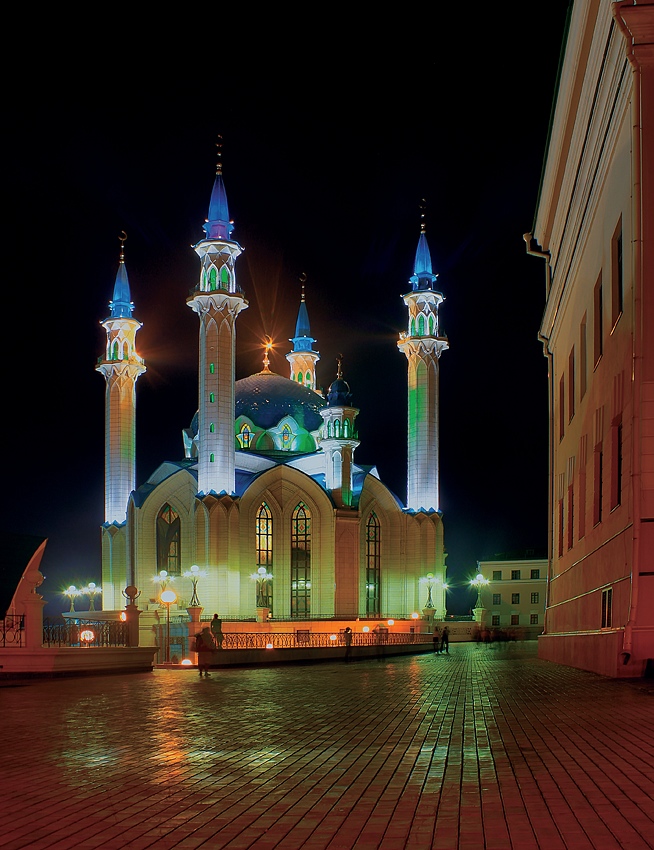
(514, 599)
(594, 227)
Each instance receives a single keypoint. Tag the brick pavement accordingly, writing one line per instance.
(487, 749)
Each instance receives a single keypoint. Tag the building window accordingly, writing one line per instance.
(212, 428)
(245, 436)
(212, 398)
(535, 574)
(598, 484)
(169, 533)
(562, 407)
(598, 329)
(561, 523)
(535, 598)
(582, 502)
(515, 599)
(212, 368)
(301, 562)
(373, 566)
(571, 516)
(497, 599)
(617, 275)
(571, 385)
(495, 620)
(287, 436)
(515, 575)
(497, 575)
(607, 605)
(515, 619)
(583, 359)
(264, 551)
(533, 619)
(616, 463)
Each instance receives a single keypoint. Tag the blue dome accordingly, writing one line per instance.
(265, 398)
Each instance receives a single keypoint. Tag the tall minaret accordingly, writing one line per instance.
(217, 299)
(423, 345)
(303, 358)
(339, 440)
(121, 368)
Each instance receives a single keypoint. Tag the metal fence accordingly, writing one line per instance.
(316, 640)
(89, 633)
(12, 630)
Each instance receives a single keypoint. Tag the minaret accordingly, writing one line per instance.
(303, 358)
(338, 440)
(217, 299)
(121, 367)
(423, 345)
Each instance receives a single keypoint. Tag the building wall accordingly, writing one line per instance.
(521, 586)
(591, 221)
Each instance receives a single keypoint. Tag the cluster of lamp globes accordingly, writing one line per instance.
(91, 590)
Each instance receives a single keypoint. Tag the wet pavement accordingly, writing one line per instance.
(487, 748)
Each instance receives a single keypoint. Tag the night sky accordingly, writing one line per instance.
(330, 143)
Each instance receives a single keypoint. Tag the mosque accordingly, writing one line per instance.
(266, 514)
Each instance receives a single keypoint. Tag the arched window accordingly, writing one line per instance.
(421, 325)
(301, 562)
(308, 381)
(299, 377)
(211, 458)
(346, 428)
(224, 278)
(337, 428)
(169, 531)
(212, 279)
(114, 351)
(212, 368)
(373, 566)
(212, 397)
(245, 437)
(432, 325)
(412, 327)
(264, 547)
(287, 436)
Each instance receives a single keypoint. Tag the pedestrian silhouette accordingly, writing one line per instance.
(217, 631)
(445, 640)
(347, 637)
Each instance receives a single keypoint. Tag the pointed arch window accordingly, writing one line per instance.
(373, 566)
(432, 325)
(114, 352)
(212, 397)
(212, 279)
(308, 381)
(287, 436)
(264, 550)
(224, 278)
(245, 436)
(212, 428)
(301, 562)
(169, 532)
(421, 325)
(211, 458)
(346, 428)
(299, 377)
(412, 327)
(337, 428)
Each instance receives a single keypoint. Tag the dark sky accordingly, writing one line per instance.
(329, 144)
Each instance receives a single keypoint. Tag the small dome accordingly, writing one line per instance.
(266, 398)
(339, 393)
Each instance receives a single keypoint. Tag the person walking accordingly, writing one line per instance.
(204, 646)
(217, 631)
(445, 640)
(347, 637)
(436, 639)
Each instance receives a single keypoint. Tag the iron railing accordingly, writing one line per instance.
(89, 633)
(12, 629)
(316, 640)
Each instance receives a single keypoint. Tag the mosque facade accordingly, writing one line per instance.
(266, 511)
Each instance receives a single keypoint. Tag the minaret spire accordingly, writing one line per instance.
(217, 299)
(303, 358)
(423, 344)
(121, 367)
(339, 439)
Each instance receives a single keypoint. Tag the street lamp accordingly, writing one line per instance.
(71, 592)
(194, 574)
(168, 597)
(262, 577)
(91, 590)
(430, 581)
(479, 582)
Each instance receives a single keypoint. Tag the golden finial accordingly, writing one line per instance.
(266, 359)
(303, 280)
(423, 212)
(219, 164)
(122, 238)
(339, 367)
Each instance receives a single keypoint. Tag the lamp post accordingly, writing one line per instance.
(194, 574)
(91, 590)
(430, 581)
(479, 583)
(168, 597)
(71, 592)
(261, 578)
